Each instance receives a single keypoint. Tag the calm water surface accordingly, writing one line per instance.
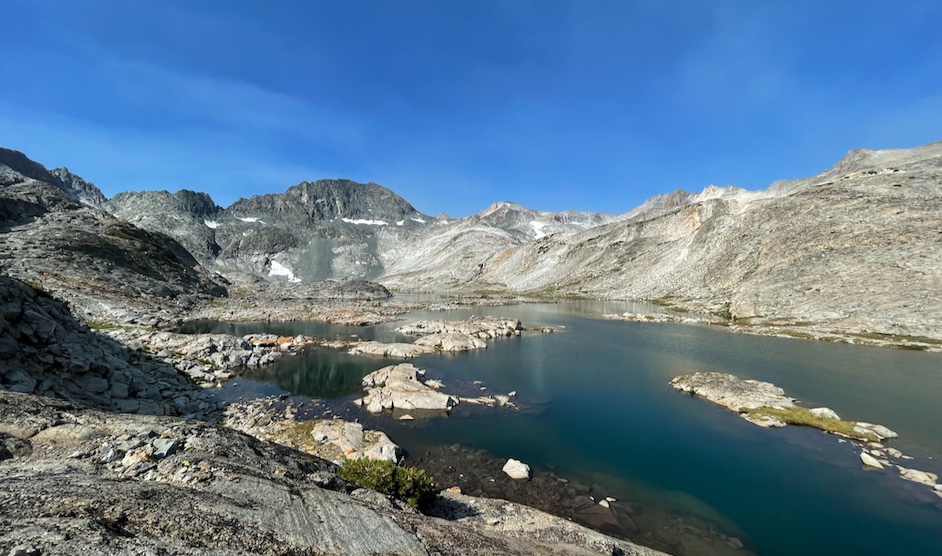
(600, 410)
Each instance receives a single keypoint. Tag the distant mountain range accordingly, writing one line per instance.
(858, 247)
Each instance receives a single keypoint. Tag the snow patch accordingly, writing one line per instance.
(538, 229)
(367, 222)
(278, 269)
(400, 222)
(211, 224)
(251, 219)
(419, 220)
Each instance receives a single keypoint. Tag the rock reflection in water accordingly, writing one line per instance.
(328, 374)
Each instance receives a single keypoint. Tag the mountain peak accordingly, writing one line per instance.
(503, 205)
(83, 191)
(16, 166)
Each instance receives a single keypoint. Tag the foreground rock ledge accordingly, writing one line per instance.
(81, 481)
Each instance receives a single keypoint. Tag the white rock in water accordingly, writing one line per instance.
(516, 469)
(916, 476)
(870, 461)
(879, 430)
(825, 413)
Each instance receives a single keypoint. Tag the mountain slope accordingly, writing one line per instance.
(453, 253)
(85, 255)
(858, 246)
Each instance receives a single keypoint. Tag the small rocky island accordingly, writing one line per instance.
(766, 405)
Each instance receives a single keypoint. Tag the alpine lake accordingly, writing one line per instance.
(597, 419)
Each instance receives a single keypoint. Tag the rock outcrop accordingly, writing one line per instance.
(766, 405)
(291, 423)
(451, 342)
(397, 350)
(480, 327)
(733, 393)
(399, 387)
(44, 350)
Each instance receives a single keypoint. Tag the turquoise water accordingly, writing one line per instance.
(598, 408)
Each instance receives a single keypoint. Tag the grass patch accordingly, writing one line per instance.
(803, 417)
(121, 232)
(102, 325)
(408, 484)
(39, 289)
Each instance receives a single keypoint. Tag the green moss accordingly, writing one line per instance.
(803, 417)
(410, 485)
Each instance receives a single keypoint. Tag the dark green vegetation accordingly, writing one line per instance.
(410, 485)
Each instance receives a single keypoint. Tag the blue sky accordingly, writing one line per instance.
(588, 105)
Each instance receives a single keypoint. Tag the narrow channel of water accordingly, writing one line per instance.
(598, 409)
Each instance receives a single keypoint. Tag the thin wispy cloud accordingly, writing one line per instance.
(561, 104)
(233, 105)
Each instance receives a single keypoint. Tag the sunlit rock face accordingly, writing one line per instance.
(856, 248)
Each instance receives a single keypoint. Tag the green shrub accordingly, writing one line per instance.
(410, 485)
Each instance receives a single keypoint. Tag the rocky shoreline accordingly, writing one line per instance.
(793, 330)
(477, 479)
(77, 480)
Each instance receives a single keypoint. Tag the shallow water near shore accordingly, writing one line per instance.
(596, 408)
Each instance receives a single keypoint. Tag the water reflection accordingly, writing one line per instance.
(319, 373)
